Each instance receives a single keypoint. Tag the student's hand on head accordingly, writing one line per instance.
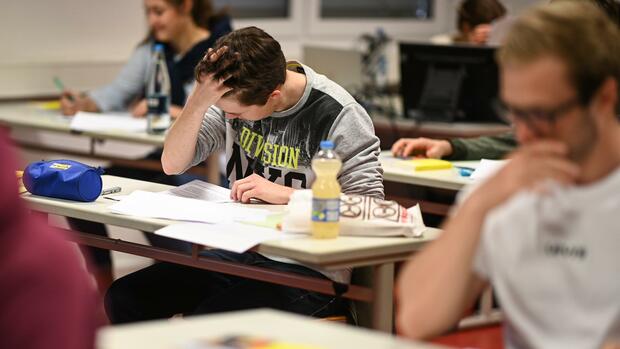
(210, 84)
(257, 187)
(69, 102)
(480, 34)
(426, 147)
(530, 167)
(139, 109)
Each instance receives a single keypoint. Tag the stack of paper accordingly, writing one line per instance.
(215, 223)
(201, 190)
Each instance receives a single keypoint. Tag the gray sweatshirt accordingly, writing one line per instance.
(281, 146)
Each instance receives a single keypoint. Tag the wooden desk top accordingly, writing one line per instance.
(402, 171)
(346, 251)
(261, 323)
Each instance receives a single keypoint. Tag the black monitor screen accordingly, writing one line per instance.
(448, 83)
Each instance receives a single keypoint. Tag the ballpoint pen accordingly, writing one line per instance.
(111, 190)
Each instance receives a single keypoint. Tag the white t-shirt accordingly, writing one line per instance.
(554, 262)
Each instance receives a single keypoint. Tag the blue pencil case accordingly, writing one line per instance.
(64, 179)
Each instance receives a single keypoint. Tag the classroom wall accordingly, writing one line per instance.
(85, 42)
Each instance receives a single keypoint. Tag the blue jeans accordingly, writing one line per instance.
(165, 289)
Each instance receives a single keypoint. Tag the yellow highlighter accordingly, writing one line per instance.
(430, 164)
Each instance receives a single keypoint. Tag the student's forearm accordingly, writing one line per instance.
(438, 284)
(180, 144)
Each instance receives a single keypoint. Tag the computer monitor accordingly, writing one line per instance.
(448, 83)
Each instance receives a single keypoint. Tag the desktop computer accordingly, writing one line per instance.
(449, 83)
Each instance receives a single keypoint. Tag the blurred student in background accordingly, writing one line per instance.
(543, 231)
(187, 29)
(489, 147)
(44, 305)
(473, 22)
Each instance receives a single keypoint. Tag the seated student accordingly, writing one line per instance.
(187, 29)
(544, 230)
(489, 147)
(269, 116)
(46, 297)
(473, 21)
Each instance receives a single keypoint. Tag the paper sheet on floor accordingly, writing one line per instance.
(83, 121)
(158, 205)
(231, 236)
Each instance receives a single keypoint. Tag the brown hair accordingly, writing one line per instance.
(577, 33)
(476, 12)
(253, 64)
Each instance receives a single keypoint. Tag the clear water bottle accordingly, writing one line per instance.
(158, 93)
(326, 193)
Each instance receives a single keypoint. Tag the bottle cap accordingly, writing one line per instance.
(327, 144)
(158, 47)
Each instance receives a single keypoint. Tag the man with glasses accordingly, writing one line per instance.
(544, 231)
(489, 147)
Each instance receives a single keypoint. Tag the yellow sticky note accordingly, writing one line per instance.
(51, 105)
(430, 164)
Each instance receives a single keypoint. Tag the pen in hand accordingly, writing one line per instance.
(60, 86)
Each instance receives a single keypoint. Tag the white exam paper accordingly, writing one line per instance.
(159, 205)
(230, 236)
(487, 168)
(83, 121)
(202, 190)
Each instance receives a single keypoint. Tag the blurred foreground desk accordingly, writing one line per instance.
(30, 116)
(267, 324)
(345, 251)
(408, 186)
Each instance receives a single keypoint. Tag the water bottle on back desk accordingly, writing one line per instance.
(158, 94)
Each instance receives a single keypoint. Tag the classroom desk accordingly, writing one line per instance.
(407, 186)
(402, 171)
(345, 251)
(29, 115)
(260, 323)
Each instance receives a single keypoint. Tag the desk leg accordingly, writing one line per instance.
(383, 297)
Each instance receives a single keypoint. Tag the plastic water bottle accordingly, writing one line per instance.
(326, 192)
(158, 93)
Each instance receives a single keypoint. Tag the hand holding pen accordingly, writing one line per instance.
(71, 102)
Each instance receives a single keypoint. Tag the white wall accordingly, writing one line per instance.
(85, 42)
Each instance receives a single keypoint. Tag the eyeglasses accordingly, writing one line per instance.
(535, 118)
